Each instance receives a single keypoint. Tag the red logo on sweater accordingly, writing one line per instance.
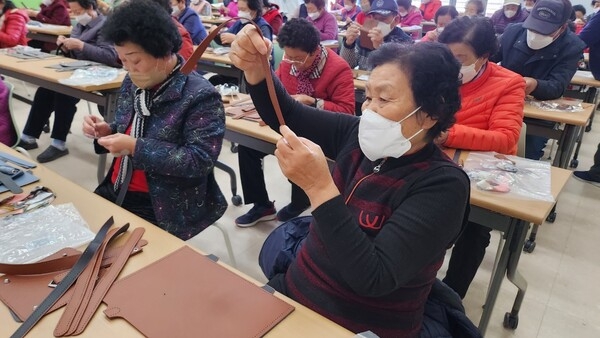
(370, 221)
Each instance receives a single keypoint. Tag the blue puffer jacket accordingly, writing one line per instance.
(181, 143)
(553, 66)
(193, 24)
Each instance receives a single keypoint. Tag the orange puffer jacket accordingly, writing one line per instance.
(491, 114)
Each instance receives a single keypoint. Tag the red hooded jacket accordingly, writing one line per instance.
(13, 30)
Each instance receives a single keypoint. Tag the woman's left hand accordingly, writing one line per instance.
(227, 38)
(303, 162)
(118, 144)
(73, 44)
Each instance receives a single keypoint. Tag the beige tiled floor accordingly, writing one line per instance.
(562, 299)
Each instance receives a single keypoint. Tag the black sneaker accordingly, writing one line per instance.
(258, 213)
(51, 154)
(288, 212)
(585, 176)
(27, 145)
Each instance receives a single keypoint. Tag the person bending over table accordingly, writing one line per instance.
(322, 19)
(490, 119)
(13, 29)
(86, 43)
(247, 10)
(168, 127)
(443, 17)
(591, 36)
(393, 204)
(546, 53)
(385, 12)
(53, 12)
(315, 76)
(189, 19)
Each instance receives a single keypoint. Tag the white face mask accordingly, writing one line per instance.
(596, 9)
(403, 14)
(384, 28)
(175, 11)
(537, 41)
(528, 8)
(509, 13)
(47, 2)
(348, 7)
(83, 19)
(314, 16)
(439, 30)
(245, 15)
(379, 137)
(468, 72)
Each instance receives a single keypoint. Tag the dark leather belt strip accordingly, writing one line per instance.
(61, 288)
(193, 61)
(87, 310)
(85, 284)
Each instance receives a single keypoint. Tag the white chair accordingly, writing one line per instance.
(227, 243)
(16, 132)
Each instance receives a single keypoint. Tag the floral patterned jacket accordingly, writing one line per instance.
(181, 143)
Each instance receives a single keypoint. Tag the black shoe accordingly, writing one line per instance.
(46, 128)
(27, 145)
(51, 154)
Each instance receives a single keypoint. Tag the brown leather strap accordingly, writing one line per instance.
(193, 61)
(85, 283)
(106, 282)
(66, 261)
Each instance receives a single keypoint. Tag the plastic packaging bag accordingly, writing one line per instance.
(95, 75)
(510, 175)
(561, 105)
(37, 234)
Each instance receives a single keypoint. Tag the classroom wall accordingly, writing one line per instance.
(34, 4)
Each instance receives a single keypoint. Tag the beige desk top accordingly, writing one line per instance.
(574, 118)
(586, 78)
(528, 210)
(36, 68)
(215, 20)
(50, 29)
(212, 57)
(95, 210)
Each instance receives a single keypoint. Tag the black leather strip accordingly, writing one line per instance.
(66, 283)
(10, 184)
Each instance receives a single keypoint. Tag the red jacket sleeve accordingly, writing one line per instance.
(13, 29)
(504, 124)
(340, 88)
(429, 9)
(187, 47)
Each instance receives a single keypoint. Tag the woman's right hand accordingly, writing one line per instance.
(352, 33)
(94, 127)
(246, 52)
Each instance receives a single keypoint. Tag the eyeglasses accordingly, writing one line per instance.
(287, 59)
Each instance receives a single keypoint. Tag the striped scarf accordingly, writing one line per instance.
(312, 72)
(142, 104)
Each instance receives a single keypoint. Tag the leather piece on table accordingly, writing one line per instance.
(23, 292)
(186, 294)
